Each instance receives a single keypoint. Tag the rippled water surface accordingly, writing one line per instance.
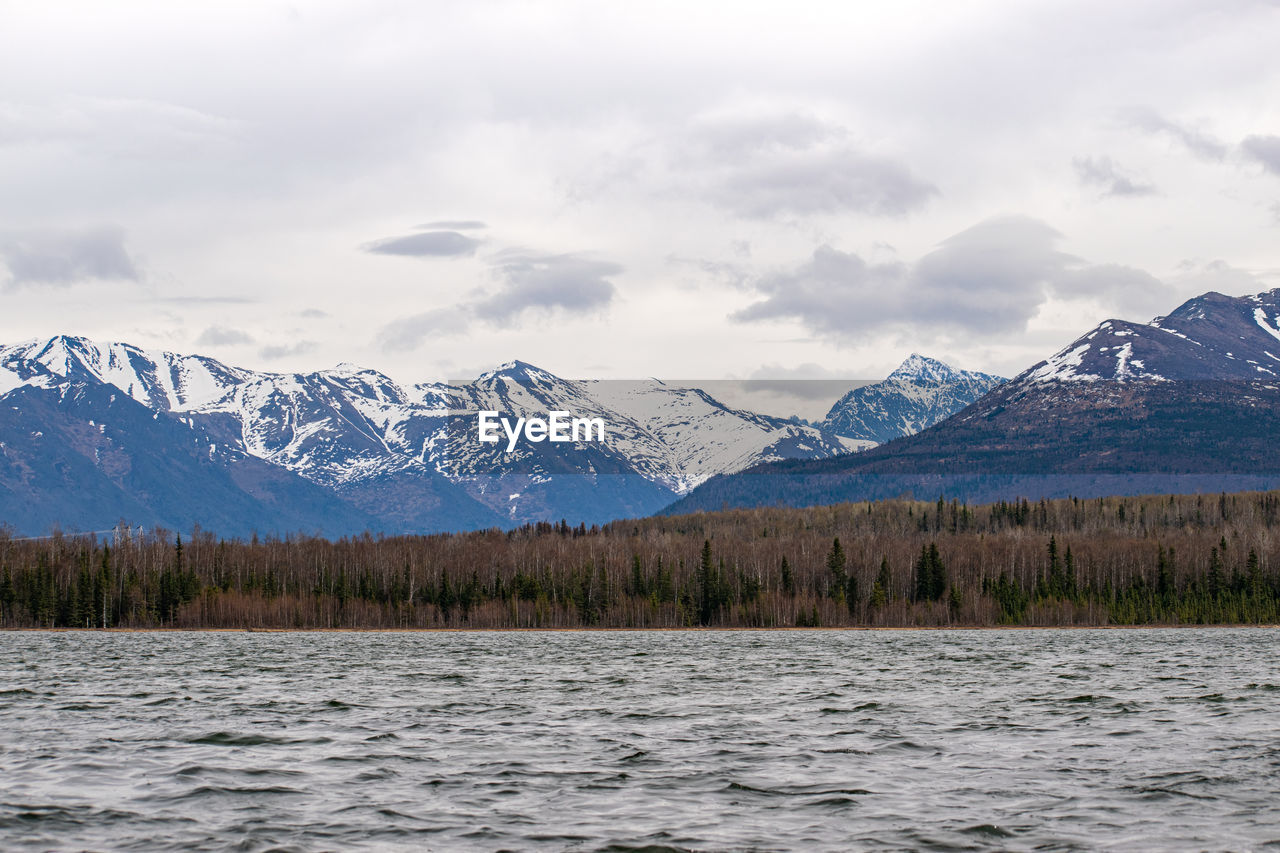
(797, 740)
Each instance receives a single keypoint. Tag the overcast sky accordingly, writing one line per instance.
(618, 190)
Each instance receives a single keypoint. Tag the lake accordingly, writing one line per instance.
(694, 740)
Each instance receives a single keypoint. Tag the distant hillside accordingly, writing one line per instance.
(1189, 402)
(918, 394)
(92, 433)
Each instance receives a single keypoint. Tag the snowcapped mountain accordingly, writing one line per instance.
(158, 380)
(662, 440)
(672, 435)
(83, 455)
(918, 394)
(399, 459)
(1210, 337)
(1189, 402)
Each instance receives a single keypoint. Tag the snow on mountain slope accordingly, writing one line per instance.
(918, 394)
(358, 432)
(700, 437)
(1189, 402)
(332, 427)
(1209, 337)
(157, 379)
(673, 436)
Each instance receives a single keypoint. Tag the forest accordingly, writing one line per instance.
(1157, 560)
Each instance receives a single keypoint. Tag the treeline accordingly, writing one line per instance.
(1177, 560)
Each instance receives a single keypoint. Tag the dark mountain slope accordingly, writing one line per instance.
(1189, 402)
(84, 457)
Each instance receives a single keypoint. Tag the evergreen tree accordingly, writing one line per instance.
(1215, 578)
(666, 583)
(788, 578)
(8, 595)
(1253, 575)
(939, 571)
(836, 567)
(637, 585)
(84, 595)
(931, 575)
(706, 585)
(880, 589)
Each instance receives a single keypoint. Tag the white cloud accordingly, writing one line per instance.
(249, 153)
(991, 279)
(63, 257)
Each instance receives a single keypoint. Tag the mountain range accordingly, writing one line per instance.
(1188, 402)
(92, 434)
(918, 394)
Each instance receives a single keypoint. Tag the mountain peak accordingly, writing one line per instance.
(920, 368)
(347, 368)
(1210, 336)
(920, 393)
(517, 371)
(55, 353)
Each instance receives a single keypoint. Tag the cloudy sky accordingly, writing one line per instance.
(608, 190)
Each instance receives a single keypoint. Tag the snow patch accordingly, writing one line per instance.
(1122, 361)
(1260, 317)
(1063, 367)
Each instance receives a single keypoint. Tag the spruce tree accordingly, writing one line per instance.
(637, 586)
(880, 589)
(706, 582)
(8, 595)
(835, 565)
(939, 572)
(923, 581)
(1215, 575)
(931, 575)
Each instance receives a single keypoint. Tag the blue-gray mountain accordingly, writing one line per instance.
(92, 434)
(918, 394)
(1188, 402)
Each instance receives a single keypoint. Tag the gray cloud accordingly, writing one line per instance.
(736, 136)
(733, 274)
(438, 244)
(62, 258)
(1200, 144)
(989, 279)
(219, 336)
(530, 283)
(452, 225)
(1101, 172)
(313, 314)
(207, 300)
(814, 183)
(541, 282)
(760, 167)
(1199, 276)
(785, 373)
(277, 351)
(834, 293)
(1264, 149)
(408, 333)
(1131, 291)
